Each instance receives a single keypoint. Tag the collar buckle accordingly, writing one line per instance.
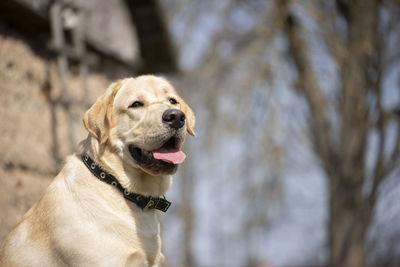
(157, 203)
(150, 203)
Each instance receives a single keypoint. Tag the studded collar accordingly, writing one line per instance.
(144, 202)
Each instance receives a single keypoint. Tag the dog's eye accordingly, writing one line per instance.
(136, 104)
(173, 101)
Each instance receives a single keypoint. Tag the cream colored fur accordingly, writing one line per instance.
(82, 221)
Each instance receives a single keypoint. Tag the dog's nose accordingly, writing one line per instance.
(174, 118)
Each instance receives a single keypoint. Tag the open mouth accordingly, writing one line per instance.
(164, 159)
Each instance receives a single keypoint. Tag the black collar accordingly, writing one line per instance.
(140, 200)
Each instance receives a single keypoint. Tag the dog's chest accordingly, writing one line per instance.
(133, 226)
(116, 237)
(147, 229)
(140, 231)
(108, 229)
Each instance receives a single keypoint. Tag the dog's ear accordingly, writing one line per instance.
(190, 118)
(97, 119)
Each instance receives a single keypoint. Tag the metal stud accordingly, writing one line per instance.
(86, 157)
(138, 198)
(102, 175)
(93, 166)
(114, 183)
(126, 192)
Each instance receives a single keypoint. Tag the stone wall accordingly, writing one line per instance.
(35, 131)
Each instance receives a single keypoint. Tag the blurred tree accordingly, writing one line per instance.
(237, 123)
(230, 59)
(361, 38)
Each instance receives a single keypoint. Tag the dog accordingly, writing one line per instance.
(101, 209)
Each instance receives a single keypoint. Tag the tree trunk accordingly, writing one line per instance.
(350, 209)
(348, 224)
(343, 160)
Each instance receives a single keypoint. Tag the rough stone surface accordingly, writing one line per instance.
(36, 131)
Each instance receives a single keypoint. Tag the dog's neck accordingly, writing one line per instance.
(132, 178)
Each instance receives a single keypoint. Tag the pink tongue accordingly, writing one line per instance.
(174, 156)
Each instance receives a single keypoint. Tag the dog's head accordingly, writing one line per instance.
(145, 121)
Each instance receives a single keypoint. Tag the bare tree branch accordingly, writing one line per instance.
(307, 83)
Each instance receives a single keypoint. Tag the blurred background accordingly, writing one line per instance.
(296, 159)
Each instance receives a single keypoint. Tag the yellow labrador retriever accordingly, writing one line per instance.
(100, 210)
